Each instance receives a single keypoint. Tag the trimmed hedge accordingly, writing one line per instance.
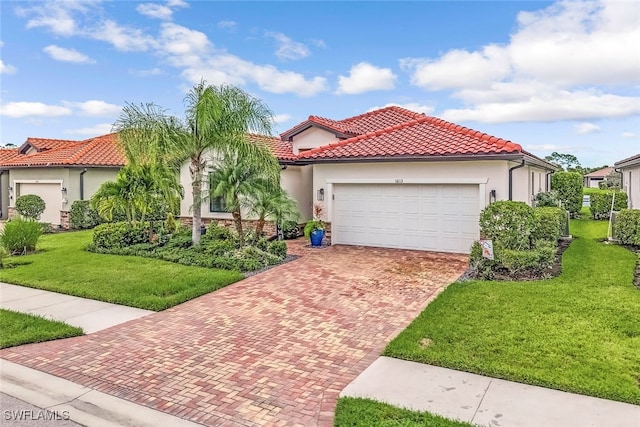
(120, 234)
(508, 224)
(547, 199)
(601, 204)
(30, 206)
(82, 216)
(549, 224)
(568, 186)
(627, 227)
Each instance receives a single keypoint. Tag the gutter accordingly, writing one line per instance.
(82, 183)
(511, 178)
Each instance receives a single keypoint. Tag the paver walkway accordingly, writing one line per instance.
(273, 349)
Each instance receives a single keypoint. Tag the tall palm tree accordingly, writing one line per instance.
(218, 118)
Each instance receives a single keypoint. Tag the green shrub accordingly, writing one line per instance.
(568, 186)
(508, 224)
(535, 260)
(217, 232)
(627, 227)
(601, 204)
(30, 206)
(278, 248)
(481, 267)
(549, 224)
(120, 234)
(171, 223)
(291, 230)
(46, 227)
(547, 199)
(82, 216)
(180, 241)
(219, 247)
(20, 236)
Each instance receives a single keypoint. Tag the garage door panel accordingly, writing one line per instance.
(51, 195)
(413, 216)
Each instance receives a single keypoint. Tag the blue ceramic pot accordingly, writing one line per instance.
(316, 237)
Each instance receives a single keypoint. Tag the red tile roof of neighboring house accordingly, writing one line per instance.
(600, 173)
(7, 154)
(422, 136)
(281, 149)
(99, 151)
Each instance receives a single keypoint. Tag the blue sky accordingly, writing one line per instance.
(551, 76)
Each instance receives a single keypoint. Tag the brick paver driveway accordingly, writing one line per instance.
(273, 349)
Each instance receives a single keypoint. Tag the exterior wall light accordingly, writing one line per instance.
(320, 195)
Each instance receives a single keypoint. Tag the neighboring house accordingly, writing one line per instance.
(400, 179)
(593, 179)
(630, 170)
(59, 171)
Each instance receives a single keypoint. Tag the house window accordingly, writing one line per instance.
(216, 204)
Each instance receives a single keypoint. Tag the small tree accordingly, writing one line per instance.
(30, 206)
(568, 186)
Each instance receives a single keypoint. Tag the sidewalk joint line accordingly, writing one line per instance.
(480, 403)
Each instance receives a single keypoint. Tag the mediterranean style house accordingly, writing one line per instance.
(630, 170)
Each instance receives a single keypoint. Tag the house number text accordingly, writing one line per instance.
(399, 181)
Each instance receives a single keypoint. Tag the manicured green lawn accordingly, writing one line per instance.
(352, 412)
(64, 266)
(579, 332)
(20, 328)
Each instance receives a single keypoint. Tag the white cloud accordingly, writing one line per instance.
(585, 128)
(319, 43)
(67, 55)
(156, 11)
(94, 108)
(629, 135)
(365, 77)
(177, 3)
(125, 39)
(281, 118)
(288, 49)
(57, 17)
(146, 73)
(99, 129)
(562, 62)
(33, 109)
(550, 148)
(412, 106)
(6, 68)
(228, 25)
(549, 107)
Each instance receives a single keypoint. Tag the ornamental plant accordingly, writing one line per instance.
(30, 206)
(568, 186)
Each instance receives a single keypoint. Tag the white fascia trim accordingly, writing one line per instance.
(407, 180)
(38, 181)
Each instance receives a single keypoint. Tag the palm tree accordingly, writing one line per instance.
(137, 191)
(236, 179)
(218, 119)
(274, 204)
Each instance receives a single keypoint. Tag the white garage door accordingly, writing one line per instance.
(52, 197)
(430, 217)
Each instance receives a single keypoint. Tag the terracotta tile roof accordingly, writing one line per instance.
(421, 136)
(99, 151)
(357, 125)
(7, 154)
(600, 173)
(281, 149)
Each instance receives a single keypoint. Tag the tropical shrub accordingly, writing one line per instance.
(82, 216)
(30, 206)
(20, 236)
(601, 203)
(627, 227)
(568, 186)
(508, 224)
(278, 248)
(534, 260)
(120, 234)
(549, 224)
(547, 199)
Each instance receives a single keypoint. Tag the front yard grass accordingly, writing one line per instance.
(356, 412)
(21, 328)
(63, 265)
(579, 332)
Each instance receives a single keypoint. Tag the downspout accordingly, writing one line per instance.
(511, 178)
(547, 184)
(82, 183)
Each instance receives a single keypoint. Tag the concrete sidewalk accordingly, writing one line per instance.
(90, 315)
(482, 400)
